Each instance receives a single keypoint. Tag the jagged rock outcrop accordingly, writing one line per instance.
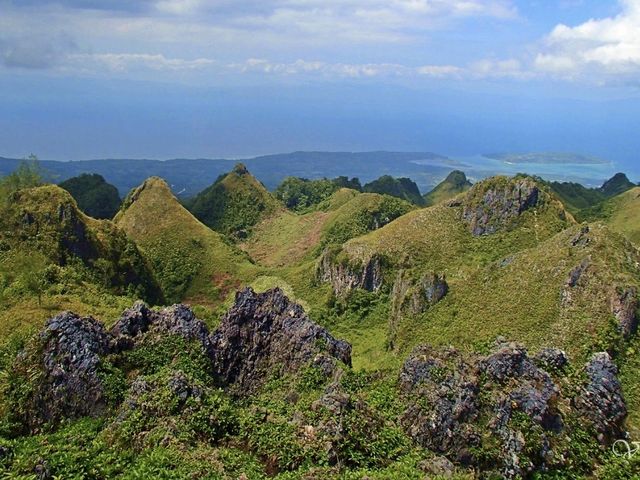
(175, 320)
(456, 404)
(445, 391)
(492, 205)
(582, 238)
(266, 333)
(68, 384)
(411, 296)
(260, 336)
(576, 277)
(625, 307)
(552, 359)
(601, 400)
(344, 276)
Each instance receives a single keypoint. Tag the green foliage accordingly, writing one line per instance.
(27, 175)
(234, 203)
(358, 218)
(94, 195)
(156, 352)
(575, 196)
(403, 188)
(455, 184)
(300, 194)
(188, 259)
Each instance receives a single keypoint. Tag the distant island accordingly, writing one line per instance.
(546, 158)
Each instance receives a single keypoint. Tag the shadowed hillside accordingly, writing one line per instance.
(455, 184)
(234, 204)
(94, 195)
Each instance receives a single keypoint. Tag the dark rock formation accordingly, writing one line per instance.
(576, 273)
(346, 277)
(69, 385)
(456, 403)
(494, 205)
(581, 239)
(174, 320)
(261, 335)
(625, 307)
(265, 333)
(552, 359)
(446, 392)
(601, 399)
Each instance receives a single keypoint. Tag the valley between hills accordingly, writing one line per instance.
(322, 330)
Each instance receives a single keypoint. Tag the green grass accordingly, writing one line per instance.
(190, 261)
(452, 186)
(287, 239)
(622, 214)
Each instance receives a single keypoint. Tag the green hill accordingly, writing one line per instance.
(234, 204)
(621, 213)
(496, 218)
(52, 256)
(616, 185)
(301, 194)
(455, 184)
(286, 238)
(94, 195)
(403, 188)
(189, 260)
(577, 197)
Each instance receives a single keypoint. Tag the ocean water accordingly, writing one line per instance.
(478, 167)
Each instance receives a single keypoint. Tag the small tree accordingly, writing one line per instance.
(27, 175)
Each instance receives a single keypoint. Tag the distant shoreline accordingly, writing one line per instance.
(546, 158)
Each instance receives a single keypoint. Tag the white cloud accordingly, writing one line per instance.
(599, 47)
(124, 62)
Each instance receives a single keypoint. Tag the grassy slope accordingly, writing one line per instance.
(190, 260)
(102, 284)
(435, 239)
(622, 214)
(455, 184)
(287, 239)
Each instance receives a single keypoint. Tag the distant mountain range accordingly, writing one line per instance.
(187, 177)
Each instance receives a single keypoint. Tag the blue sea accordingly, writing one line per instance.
(478, 167)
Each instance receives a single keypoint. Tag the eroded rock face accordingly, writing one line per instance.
(445, 389)
(625, 307)
(455, 403)
(261, 335)
(413, 297)
(490, 207)
(265, 333)
(344, 278)
(175, 320)
(601, 399)
(70, 386)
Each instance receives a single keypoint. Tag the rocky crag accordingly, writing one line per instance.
(506, 413)
(262, 335)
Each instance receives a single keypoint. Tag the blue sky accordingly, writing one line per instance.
(198, 78)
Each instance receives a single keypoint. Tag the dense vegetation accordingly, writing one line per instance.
(234, 203)
(299, 194)
(94, 195)
(505, 261)
(403, 188)
(578, 198)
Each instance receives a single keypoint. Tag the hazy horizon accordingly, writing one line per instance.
(81, 79)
